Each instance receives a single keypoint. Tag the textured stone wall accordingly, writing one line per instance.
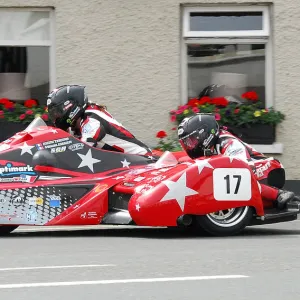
(128, 54)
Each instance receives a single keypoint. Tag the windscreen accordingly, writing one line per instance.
(37, 122)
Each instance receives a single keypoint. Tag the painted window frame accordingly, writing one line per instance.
(228, 37)
(50, 43)
(264, 36)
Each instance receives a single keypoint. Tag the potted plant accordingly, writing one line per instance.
(15, 117)
(247, 119)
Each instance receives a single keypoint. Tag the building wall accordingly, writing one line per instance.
(128, 55)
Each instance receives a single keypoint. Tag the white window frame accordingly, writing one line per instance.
(232, 33)
(263, 36)
(50, 43)
(213, 37)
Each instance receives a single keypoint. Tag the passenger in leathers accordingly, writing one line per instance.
(200, 135)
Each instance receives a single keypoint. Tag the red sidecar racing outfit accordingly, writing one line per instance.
(99, 129)
(230, 145)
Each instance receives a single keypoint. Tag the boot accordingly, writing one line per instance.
(284, 197)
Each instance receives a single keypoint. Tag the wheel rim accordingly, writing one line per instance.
(228, 217)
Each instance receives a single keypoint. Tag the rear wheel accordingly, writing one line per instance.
(5, 230)
(226, 222)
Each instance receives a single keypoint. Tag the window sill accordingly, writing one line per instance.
(275, 148)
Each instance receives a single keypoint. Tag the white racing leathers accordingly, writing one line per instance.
(101, 130)
(230, 145)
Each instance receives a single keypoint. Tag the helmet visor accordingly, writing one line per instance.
(58, 112)
(194, 139)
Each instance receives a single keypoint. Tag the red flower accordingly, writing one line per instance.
(252, 95)
(9, 105)
(204, 100)
(174, 128)
(30, 103)
(173, 118)
(22, 117)
(4, 100)
(220, 101)
(161, 134)
(1, 114)
(29, 112)
(45, 117)
(236, 111)
(193, 102)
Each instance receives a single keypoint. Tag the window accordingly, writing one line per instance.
(229, 47)
(26, 54)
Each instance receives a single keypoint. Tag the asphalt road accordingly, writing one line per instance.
(138, 263)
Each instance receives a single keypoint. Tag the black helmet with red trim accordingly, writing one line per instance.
(198, 134)
(66, 104)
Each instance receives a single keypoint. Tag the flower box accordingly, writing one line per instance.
(245, 116)
(8, 129)
(261, 134)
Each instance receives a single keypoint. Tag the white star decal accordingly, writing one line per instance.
(125, 163)
(202, 164)
(26, 149)
(53, 131)
(137, 207)
(178, 191)
(88, 160)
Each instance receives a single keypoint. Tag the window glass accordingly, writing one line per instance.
(239, 68)
(24, 25)
(226, 21)
(24, 73)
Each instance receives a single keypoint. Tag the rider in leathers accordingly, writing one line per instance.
(69, 110)
(201, 134)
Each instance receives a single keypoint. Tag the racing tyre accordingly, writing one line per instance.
(5, 230)
(226, 222)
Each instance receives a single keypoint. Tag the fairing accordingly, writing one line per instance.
(48, 177)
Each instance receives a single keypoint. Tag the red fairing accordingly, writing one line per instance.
(48, 177)
(197, 189)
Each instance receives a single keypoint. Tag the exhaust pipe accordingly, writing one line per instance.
(185, 220)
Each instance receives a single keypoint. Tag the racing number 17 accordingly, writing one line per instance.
(227, 178)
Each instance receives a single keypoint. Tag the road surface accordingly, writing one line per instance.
(150, 263)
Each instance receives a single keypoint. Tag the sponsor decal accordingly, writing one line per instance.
(18, 201)
(8, 216)
(87, 128)
(74, 113)
(9, 170)
(54, 201)
(68, 106)
(158, 178)
(54, 144)
(89, 215)
(259, 172)
(76, 147)
(58, 149)
(67, 102)
(39, 146)
(49, 100)
(31, 216)
(33, 201)
(138, 179)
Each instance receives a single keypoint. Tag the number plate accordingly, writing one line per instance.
(232, 184)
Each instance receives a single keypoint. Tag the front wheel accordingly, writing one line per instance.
(226, 222)
(7, 229)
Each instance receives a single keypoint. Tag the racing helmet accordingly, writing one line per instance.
(198, 133)
(66, 104)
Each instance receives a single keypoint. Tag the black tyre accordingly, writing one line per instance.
(226, 222)
(5, 230)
